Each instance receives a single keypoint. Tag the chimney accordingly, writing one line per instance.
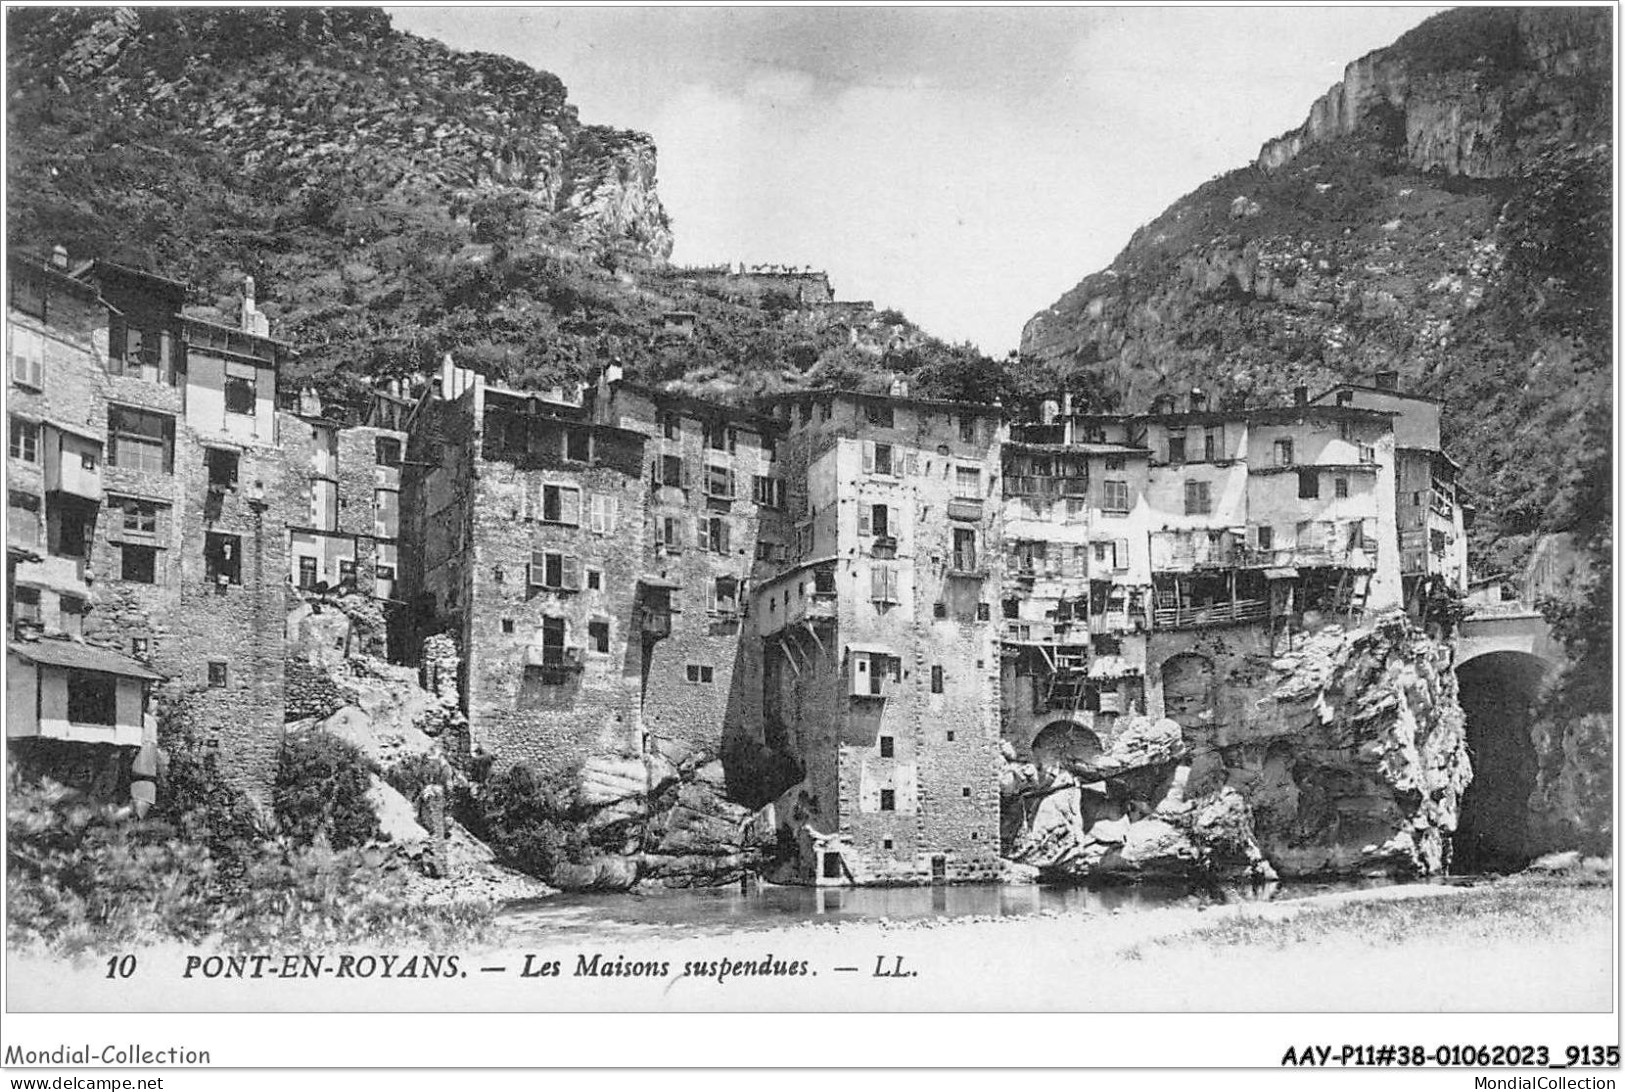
(1198, 401)
(252, 322)
(1300, 396)
(1066, 403)
(899, 387)
(59, 256)
(310, 403)
(1386, 381)
(1048, 411)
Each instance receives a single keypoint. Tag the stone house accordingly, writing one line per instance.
(880, 648)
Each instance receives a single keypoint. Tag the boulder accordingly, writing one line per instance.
(606, 779)
(601, 874)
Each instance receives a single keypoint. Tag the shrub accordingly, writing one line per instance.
(321, 788)
(88, 879)
(521, 819)
(413, 773)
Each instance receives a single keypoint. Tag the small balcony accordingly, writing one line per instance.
(1235, 612)
(553, 661)
(654, 622)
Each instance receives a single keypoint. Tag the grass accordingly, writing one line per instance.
(1521, 908)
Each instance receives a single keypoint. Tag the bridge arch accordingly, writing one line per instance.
(1065, 741)
(1498, 683)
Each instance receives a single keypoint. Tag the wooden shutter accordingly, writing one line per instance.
(702, 533)
(877, 582)
(1120, 554)
(722, 536)
(864, 527)
(570, 573)
(868, 457)
(891, 586)
(612, 514)
(910, 464)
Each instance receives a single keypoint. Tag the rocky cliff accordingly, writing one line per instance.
(1344, 755)
(1444, 212)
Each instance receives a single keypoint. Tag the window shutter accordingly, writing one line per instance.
(868, 457)
(911, 464)
(570, 506)
(570, 573)
(688, 473)
(711, 596)
(722, 537)
(1368, 534)
(863, 520)
(1120, 553)
(702, 533)
(732, 490)
(891, 586)
(612, 514)
(877, 582)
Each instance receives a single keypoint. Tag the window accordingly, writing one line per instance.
(965, 791)
(222, 465)
(27, 357)
(950, 735)
(1283, 452)
(1266, 538)
(1345, 430)
(1176, 446)
(1345, 398)
(595, 580)
(1368, 453)
(1198, 501)
(140, 441)
(719, 482)
(138, 564)
(25, 606)
(598, 636)
(387, 451)
(561, 504)
(307, 572)
(671, 471)
(92, 698)
(880, 520)
(552, 570)
(507, 625)
(222, 558)
(578, 445)
(139, 647)
(1120, 554)
(603, 513)
(700, 673)
(386, 513)
(1115, 462)
(719, 437)
(936, 678)
(1213, 445)
(888, 799)
(671, 534)
(239, 394)
(28, 296)
(984, 612)
(671, 426)
(967, 482)
(888, 747)
(768, 492)
(725, 596)
(23, 518)
(217, 673)
(384, 572)
(879, 415)
(883, 584)
(1116, 501)
(967, 430)
(139, 517)
(552, 643)
(713, 533)
(1340, 488)
(964, 549)
(880, 459)
(24, 440)
(1308, 484)
(939, 609)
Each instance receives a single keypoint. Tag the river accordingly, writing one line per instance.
(711, 911)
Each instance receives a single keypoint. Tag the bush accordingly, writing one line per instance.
(522, 819)
(88, 879)
(321, 789)
(412, 774)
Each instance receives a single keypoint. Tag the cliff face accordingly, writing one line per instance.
(296, 98)
(1345, 755)
(1445, 212)
(1481, 93)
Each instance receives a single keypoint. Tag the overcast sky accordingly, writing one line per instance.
(965, 165)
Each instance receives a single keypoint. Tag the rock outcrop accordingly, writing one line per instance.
(1346, 755)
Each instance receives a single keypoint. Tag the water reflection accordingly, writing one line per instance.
(725, 910)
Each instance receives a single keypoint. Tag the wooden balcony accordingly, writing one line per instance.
(1236, 612)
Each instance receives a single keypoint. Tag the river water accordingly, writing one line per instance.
(707, 911)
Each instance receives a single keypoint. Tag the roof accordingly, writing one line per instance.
(1263, 415)
(31, 265)
(872, 649)
(131, 271)
(1085, 448)
(704, 406)
(982, 409)
(1389, 391)
(650, 580)
(54, 652)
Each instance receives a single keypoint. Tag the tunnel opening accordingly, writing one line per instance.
(1497, 692)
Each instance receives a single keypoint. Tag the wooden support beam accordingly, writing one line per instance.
(822, 651)
(791, 656)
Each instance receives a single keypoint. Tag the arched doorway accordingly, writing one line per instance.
(1187, 689)
(1065, 743)
(1497, 691)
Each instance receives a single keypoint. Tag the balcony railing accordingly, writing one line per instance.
(1217, 614)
